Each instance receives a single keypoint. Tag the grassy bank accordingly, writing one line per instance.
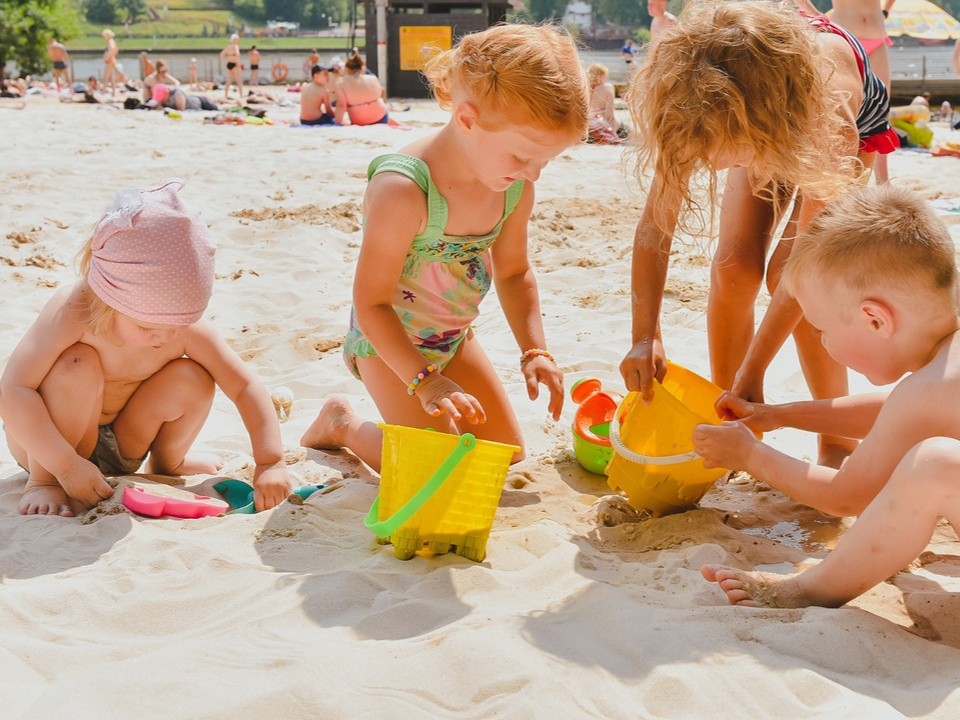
(193, 25)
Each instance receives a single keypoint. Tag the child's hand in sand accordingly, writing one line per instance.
(84, 482)
(271, 485)
(544, 370)
(724, 446)
(759, 417)
(439, 394)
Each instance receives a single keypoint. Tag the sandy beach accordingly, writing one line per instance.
(297, 612)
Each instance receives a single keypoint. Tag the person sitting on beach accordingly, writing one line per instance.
(781, 101)
(10, 88)
(120, 365)
(359, 95)
(231, 56)
(876, 275)
(147, 68)
(604, 127)
(336, 72)
(59, 56)
(92, 88)
(177, 99)
(315, 99)
(428, 257)
(159, 75)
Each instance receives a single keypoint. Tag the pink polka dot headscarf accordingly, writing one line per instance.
(152, 257)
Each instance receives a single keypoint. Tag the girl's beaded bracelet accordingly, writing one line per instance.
(530, 354)
(412, 385)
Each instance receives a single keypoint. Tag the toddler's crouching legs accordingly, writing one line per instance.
(165, 416)
(73, 393)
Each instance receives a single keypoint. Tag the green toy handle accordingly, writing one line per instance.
(385, 528)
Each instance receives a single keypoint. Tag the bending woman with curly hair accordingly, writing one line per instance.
(788, 106)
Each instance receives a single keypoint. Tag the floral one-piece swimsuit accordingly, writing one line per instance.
(444, 277)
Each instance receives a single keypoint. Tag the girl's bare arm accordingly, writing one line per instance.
(203, 345)
(651, 256)
(520, 300)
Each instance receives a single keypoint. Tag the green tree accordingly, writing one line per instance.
(623, 12)
(26, 27)
(541, 10)
(287, 10)
(132, 8)
(102, 12)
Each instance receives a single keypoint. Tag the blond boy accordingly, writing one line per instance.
(876, 275)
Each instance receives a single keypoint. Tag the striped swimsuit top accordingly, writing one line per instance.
(875, 110)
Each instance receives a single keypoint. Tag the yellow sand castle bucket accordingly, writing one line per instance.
(438, 492)
(653, 460)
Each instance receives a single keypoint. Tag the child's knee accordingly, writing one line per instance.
(190, 377)
(933, 460)
(79, 365)
(736, 273)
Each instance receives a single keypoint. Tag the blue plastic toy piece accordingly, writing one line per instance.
(240, 495)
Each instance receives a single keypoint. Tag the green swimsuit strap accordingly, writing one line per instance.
(514, 193)
(417, 170)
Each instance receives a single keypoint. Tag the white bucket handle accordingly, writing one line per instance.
(635, 457)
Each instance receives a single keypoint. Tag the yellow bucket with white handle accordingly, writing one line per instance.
(653, 460)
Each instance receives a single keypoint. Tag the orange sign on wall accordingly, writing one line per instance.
(419, 43)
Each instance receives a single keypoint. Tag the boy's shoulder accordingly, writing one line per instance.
(927, 388)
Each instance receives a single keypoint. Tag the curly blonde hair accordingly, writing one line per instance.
(731, 76)
(530, 73)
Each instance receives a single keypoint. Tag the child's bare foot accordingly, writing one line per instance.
(329, 430)
(45, 500)
(756, 589)
(200, 464)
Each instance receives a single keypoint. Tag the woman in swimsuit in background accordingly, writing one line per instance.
(110, 61)
(360, 95)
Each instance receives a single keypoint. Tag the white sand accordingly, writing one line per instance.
(297, 612)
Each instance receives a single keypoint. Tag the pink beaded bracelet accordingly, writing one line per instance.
(412, 385)
(530, 354)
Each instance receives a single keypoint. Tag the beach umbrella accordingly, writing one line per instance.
(921, 19)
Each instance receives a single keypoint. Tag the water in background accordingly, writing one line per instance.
(906, 61)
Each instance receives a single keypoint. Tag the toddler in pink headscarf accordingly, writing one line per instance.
(120, 365)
